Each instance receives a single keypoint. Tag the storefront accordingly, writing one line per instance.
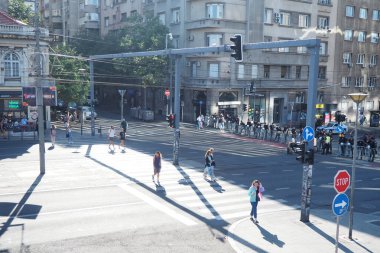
(11, 103)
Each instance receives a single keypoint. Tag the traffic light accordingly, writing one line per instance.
(237, 48)
(245, 107)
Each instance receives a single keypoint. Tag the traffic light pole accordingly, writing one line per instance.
(177, 98)
(312, 44)
(310, 121)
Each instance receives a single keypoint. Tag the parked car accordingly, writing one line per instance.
(87, 112)
(332, 127)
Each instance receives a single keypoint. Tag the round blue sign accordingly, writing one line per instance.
(308, 133)
(340, 204)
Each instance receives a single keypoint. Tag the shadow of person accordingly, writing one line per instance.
(216, 186)
(160, 190)
(268, 236)
(51, 148)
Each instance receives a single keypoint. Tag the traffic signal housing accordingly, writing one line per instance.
(237, 47)
(245, 107)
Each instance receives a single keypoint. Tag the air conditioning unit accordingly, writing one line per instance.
(364, 65)
(188, 64)
(198, 63)
(190, 38)
(276, 17)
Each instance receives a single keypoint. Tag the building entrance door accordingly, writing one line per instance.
(278, 105)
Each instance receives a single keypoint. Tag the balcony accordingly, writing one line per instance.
(207, 23)
(21, 30)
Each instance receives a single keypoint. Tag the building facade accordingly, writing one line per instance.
(17, 67)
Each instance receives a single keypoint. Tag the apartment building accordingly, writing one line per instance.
(356, 62)
(66, 18)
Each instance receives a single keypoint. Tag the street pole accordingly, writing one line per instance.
(39, 68)
(81, 102)
(177, 109)
(170, 83)
(92, 98)
(357, 98)
(122, 92)
(311, 99)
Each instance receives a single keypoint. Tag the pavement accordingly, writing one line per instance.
(278, 231)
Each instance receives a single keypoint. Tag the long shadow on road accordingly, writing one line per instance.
(217, 225)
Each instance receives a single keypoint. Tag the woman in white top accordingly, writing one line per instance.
(111, 138)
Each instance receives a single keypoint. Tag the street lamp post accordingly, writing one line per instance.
(81, 101)
(169, 105)
(357, 98)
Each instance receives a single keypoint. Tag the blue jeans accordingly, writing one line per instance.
(254, 209)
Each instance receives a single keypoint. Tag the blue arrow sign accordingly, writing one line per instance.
(339, 129)
(308, 133)
(340, 204)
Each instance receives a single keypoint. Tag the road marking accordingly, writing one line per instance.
(75, 210)
(377, 178)
(283, 188)
(287, 170)
(263, 172)
(210, 196)
(237, 174)
(181, 218)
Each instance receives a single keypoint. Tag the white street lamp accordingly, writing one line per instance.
(357, 98)
(81, 101)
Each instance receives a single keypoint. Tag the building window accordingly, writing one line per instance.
(323, 48)
(304, 21)
(298, 72)
(350, 11)
(255, 72)
(322, 72)
(361, 36)
(376, 15)
(348, 35)
(372, 81)
(214, 40)
(346, 81)
(283, 49)
(213, 70)
(360, 59)
(268, 16)
(215, 10)
(373, 60)
(106, 21)
(324, 2)
(323, 22)
(302, 50)
(370, 105)
(285, 18)
(123, 17)
(12, 65)
(363, 13)
(162, 18)
(194, 69)
(347, 58)
(285, 72)
(374, 37)
(175, 16)
(359, 81)
(240, 71)
(266, 71)
(91, 2)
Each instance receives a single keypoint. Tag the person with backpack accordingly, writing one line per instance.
(122, 140)
(255, 195)
(209, 165)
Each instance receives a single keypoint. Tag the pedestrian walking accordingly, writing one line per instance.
(53, 133)
(255, 195)
(69, 135)
(124, 125)
(111, 139)
(122, 140)
(157, 166)
(209, 165)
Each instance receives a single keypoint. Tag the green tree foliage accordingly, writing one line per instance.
(20, 11)
(65, 66)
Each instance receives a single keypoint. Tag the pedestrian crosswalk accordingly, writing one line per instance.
(185, 185)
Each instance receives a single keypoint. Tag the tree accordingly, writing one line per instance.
(17, 9)
(72, 84)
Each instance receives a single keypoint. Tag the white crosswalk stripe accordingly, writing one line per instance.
(222, 200)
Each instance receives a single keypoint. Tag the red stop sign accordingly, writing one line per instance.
(167, 93)
(341, 181)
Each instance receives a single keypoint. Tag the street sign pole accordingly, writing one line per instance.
(122, 92)
(337, 235)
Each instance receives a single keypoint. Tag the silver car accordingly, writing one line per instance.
(86, 110)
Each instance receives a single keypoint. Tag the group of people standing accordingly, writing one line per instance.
(122, 136)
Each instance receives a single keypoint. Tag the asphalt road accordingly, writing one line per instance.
(94, 201)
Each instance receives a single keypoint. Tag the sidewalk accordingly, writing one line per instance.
(282, 231)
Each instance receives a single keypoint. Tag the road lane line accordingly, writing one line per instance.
(181, 218)
(283, 188)
(73, 210)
